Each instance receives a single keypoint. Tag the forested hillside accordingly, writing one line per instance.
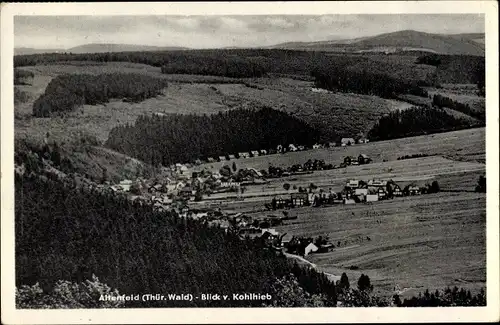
(415, 121)
(458, 69)
(175, 138)
(68, 233)
(337, 78)
(65, 92)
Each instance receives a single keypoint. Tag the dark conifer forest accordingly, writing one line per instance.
(338, 78)
(175, 138)
(66, 92)
(415, 121)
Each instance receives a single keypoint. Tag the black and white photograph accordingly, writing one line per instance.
(253, 160)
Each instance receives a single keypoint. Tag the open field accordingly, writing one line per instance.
(414, 243)
(450, 144)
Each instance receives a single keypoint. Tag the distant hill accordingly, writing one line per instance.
(100, 48)
(29, 50)
(407, 40)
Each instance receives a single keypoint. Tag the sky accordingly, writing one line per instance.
(64, 32)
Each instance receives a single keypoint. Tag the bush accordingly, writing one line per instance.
(481, 184)
(67, 294)
(286, 186)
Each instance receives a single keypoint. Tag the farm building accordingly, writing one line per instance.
(353, 183)
(347, 142)
(280, 201)
(364, 159)
(231, 157)
(395, 189)
(300, 199)
(377, 183)
(363, 140)
(316, 146)
(263, 152)
(412, 190)
(372, 198)
(349, 160)
(254, 153)
(244, 155)
(155, 188)
(349, 201)
(222, 158)
(361, 191)
(255, 172)
(382, 193)
(292, 147)
(311, 248)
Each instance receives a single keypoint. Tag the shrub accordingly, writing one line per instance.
(67, 294)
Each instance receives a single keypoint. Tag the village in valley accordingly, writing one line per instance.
(198, 194)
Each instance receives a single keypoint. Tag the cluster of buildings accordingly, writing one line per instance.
(355, 191)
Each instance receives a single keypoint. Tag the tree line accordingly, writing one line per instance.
(173, 138)
(66, 92)
(60, 232)
(339, 78)
(443, 101)
(415, 121)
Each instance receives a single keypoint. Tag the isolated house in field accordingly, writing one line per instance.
(222, 158)
(231, 157)
(292, 147)
(311, 248)
(254, 153)
(263, 152)
(300, 199)
(347, 142)
(364, 159)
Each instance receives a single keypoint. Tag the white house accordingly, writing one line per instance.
(361, 191)
(347, 142)
(255, 153)
(292, 147)
(316, 146)
(311, 248)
